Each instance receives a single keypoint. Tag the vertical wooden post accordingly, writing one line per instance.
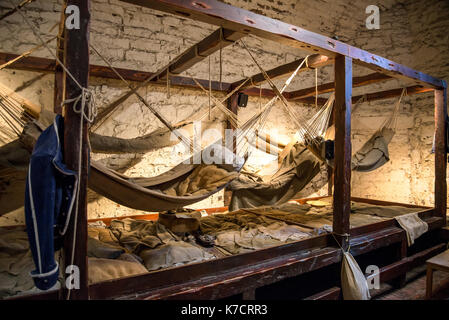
(233, 106)
(330, 170)
(59, 85)
(330, 180)
(342, 167)
(440, 153)
(77, 62)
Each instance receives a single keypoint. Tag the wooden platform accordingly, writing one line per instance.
(244, 275)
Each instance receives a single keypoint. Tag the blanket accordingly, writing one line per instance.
(295, 171)
(156, 245)
(204, 179)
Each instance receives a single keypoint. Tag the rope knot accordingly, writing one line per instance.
(84, 104)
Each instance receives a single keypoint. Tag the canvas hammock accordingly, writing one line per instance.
(184, 184)
(299, 162)
(374, 152)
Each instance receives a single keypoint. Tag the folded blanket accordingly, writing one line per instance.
(413, 226)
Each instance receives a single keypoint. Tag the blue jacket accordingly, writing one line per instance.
(49, 199)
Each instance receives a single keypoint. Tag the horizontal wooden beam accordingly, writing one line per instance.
(329, 294)
(395, 269)
(218, 39)
(313, 61)
(45, 65)
(330, 87)
(37, 64)
(244, 21)
(387, 94)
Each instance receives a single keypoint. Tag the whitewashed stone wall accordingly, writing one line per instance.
(411, 32)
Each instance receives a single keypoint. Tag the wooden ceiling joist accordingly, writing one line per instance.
(314, 61)
(330, 87)
(217, 40)
(247, 22)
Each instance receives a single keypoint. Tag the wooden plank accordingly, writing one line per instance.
(45, 65)
(393, 93)
(240, 20)
(395, 269)
(223, 268)
(77, 63)
(314, 61)
(250, 277)
(440, 153)
(329, 294)
(13, 10)
(330, 87)
(342, 161)
(220, 38)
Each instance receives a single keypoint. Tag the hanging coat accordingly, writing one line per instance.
(49, 198)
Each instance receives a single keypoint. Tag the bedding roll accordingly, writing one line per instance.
(353, 281)
(107, 269)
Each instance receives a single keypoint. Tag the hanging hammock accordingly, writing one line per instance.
(374, 153)
(298, 165)
(186, 183)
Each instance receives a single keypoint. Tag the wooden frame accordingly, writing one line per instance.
(265, 266)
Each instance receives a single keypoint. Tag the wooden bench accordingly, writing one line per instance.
(439, 262)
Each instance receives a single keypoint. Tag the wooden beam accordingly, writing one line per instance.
(404, 265)
(59, 85)
(387, 94)
(77, 63)
(314, 61)
(329, 294)
(13, 10)
(440, 152)
(342, 161)
(218, 39)
(243, 21)
(330, 87)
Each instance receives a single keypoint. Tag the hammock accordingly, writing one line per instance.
(182, 185)
(299, 162)
(374, 153)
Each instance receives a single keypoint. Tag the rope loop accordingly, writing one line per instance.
(85, 99)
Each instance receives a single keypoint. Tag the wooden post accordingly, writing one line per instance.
(77, 62)
(440, 153)
(342, 167)
(233, 106)
(59, 85)
(330, 180)
(330, 170)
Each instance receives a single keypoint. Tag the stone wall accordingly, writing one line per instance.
(411, 32)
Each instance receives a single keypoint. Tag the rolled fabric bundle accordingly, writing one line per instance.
(353, 281)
